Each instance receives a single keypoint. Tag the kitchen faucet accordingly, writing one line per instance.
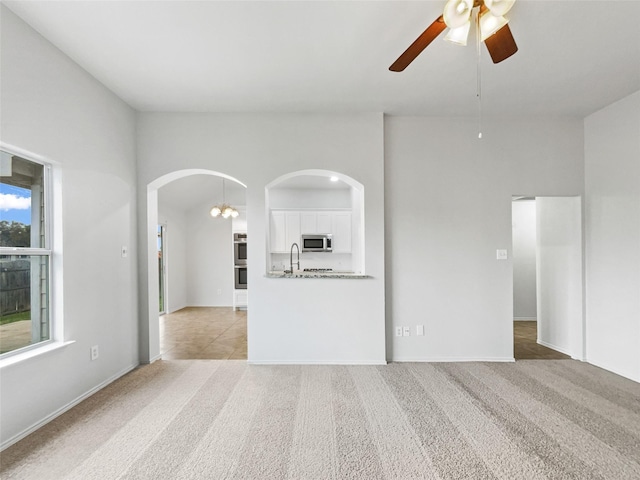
(291, 257)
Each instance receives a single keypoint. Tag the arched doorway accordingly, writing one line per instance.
(149, 332)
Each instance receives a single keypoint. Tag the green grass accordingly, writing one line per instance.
(15, 317)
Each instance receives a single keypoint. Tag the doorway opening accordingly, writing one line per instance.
(196, 294)
(548, 321)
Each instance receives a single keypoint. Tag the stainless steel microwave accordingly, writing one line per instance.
(317, 242)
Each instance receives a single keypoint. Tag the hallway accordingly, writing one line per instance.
(211, 333)
(526, 346)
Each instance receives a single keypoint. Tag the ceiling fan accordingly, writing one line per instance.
(490, 23)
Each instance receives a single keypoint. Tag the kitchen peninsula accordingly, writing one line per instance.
(303, 274)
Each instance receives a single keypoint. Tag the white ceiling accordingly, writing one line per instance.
(574, 57)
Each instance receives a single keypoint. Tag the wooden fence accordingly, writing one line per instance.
(15, 286)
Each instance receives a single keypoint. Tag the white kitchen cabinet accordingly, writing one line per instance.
(292, 220)
(316, 222)
(324, 222)
(341, 232)
(308, 222)
(288, 225)
(284, 230)
(278, 232)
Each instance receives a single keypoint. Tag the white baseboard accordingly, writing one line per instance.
(16, 438)
(157, 357)
(452, 359)
(525, 319)
(614, 369)
(555, 347)
(314, 362)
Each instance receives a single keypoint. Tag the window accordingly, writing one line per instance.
(25, 254)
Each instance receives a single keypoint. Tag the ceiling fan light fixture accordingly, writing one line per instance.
(499, 7)
(457, 12)
(490, 24)
(458, 36)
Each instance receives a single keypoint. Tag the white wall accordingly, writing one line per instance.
(175, 254)
(51, 107)
(524, 259)
(313, 198)
(209, 259)
(612, 185)
(448, 208)
(559, 279)
(289, 320)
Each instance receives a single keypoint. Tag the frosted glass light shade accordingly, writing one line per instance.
(499, 7)
(215, 212)
(458, 35)
(457, 12)
(490, 24)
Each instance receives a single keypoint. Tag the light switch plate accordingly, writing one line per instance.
(420, 330)
(406, 331)
(501, 254)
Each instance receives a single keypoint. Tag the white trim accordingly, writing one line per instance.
(613, 369)
(554, 347)
(315, 362)
(157, 357)
(453, 359)
(53, 248)
(525, 319)
(63, 409)
(36, 350)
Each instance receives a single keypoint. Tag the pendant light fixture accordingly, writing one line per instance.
(224, 210)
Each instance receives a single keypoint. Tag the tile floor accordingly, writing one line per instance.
(218, 333)
(213, 333)
(525, 346)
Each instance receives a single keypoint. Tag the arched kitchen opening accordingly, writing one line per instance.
(315, 224)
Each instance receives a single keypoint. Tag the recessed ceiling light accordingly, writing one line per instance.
(334, 179)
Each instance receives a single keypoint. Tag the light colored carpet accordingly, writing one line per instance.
(208, 419)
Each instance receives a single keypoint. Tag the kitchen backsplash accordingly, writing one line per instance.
(339, 262)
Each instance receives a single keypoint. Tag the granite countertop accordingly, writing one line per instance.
(301, 274)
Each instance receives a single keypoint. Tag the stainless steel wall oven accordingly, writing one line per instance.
(239, 249)
(240, 260)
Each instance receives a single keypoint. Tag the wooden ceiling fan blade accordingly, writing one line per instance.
(419, 45)
(501, 45)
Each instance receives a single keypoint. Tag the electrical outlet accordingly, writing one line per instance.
(95, 353)
(420, 330)
(398, 331)
(501, 254)
(406, 331)
(219, 291)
